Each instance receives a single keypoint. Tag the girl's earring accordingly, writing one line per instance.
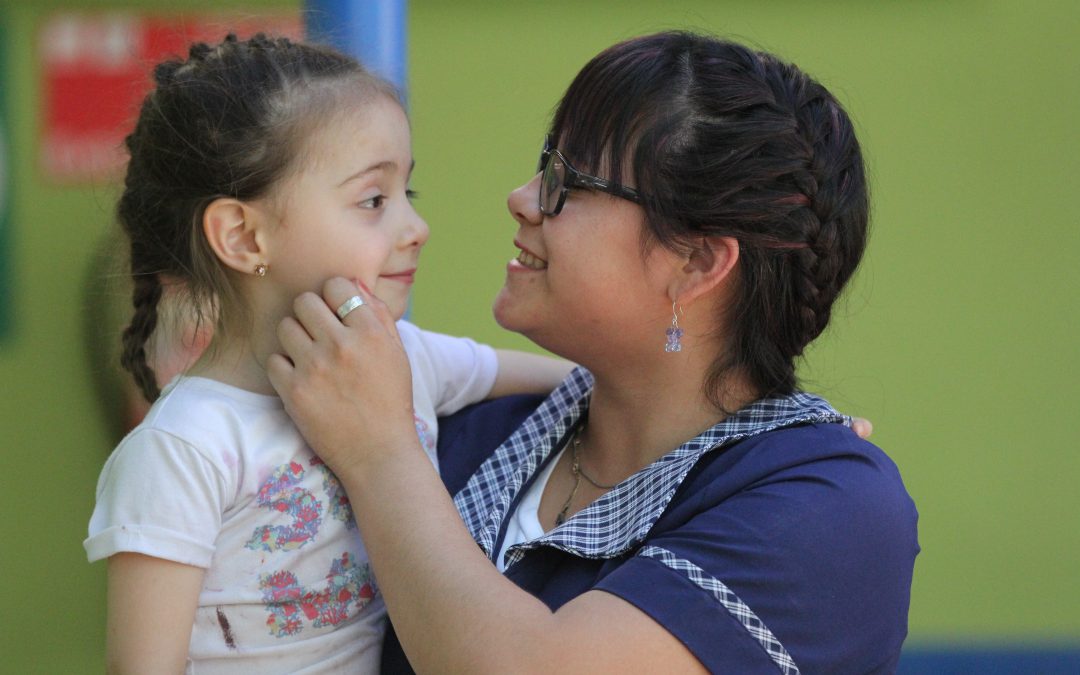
(260, 270)
(674, 333)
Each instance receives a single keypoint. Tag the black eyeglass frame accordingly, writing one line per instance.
(574, 178)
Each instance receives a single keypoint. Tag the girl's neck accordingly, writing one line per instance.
(240, 358)
(237, 363)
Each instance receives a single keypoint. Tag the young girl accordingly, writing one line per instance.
(258, 170)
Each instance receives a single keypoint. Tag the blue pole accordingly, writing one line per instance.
(372, 31)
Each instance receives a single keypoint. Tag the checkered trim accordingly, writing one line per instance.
(734, 605)
(620, 519)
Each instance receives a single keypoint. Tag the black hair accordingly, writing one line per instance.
(723, 140)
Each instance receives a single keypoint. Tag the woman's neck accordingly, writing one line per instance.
(636, 415)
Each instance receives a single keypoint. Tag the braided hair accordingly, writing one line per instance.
(726, 141)
(228, 121)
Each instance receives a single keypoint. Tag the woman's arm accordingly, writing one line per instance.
(525, 373)
(348, 389)
(454, 612)
(151, 609)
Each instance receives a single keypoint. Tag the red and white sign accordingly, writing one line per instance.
(96, 69)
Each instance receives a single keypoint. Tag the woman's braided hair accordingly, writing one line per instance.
(726, 141)
(229, 121)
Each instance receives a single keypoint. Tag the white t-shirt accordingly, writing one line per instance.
(220, 478)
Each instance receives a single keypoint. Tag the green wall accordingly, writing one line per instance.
(956, 338)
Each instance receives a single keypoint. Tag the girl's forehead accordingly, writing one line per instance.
(376, 132)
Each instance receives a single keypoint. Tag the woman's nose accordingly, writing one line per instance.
(524, 203)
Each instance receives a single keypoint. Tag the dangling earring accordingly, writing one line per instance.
(674, 333)
(260, 270)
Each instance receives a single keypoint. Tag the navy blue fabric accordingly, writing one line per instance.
(811, 528)
(468, 437)
(791, 549)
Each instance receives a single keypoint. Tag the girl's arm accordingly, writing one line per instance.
(525, 373)
(151, 609)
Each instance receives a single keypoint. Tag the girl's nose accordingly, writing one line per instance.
(417, 230)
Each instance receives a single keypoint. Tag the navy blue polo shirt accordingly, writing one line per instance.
(776, 540)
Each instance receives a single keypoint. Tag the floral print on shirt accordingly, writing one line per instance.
(290, 605)
(427, 439)
(339, 501)
(279, 493)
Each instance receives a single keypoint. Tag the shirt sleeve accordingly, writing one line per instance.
(463, 370)
(699, 609)
(158, 496)
(807, 570)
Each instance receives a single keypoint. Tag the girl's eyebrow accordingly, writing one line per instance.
(379, 166)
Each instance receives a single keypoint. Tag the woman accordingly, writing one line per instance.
(679, 505)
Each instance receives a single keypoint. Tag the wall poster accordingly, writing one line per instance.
(95, 71)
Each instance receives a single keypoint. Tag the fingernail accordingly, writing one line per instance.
(362, 285)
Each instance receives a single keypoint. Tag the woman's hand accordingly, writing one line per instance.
(346, 383)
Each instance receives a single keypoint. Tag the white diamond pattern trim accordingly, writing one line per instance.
(734, 605)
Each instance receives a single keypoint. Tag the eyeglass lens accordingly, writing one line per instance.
(552, 183)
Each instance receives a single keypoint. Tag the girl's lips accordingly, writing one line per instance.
(406, 277)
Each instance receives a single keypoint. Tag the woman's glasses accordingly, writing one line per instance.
(558, 177)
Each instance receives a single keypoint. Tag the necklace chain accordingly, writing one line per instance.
(579, 473)
(578, 469)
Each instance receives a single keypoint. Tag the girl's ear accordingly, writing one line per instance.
(231, 231)
(707, 267)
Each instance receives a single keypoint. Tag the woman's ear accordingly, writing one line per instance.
(708, 266)
(230, 229)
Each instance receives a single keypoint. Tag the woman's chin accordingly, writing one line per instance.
(506, 312)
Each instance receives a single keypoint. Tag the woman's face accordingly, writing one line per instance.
(580, 285)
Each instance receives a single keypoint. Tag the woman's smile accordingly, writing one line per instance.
(528, 259)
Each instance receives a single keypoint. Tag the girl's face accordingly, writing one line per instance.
(347, 212)
(580, 285)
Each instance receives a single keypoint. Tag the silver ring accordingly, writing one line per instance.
(349, 305)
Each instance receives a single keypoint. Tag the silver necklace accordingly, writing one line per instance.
(579, 473)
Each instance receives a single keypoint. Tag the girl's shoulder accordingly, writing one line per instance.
(220, 422)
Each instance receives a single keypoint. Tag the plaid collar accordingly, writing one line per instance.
(622, 517)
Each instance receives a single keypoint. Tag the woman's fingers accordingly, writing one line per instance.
(294, 338)
(339, 293)
(343, 374)
(318, 320)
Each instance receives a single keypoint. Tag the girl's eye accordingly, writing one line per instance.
(375, 202)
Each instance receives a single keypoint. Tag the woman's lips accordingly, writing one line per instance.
(529, 260)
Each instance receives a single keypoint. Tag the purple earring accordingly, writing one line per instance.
(674, 333)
